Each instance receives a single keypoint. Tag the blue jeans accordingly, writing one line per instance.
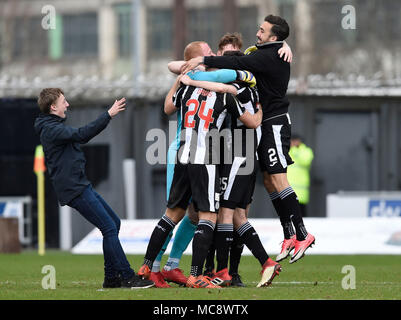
(94, 209)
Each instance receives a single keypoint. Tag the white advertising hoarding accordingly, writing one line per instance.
(364, 204)
(333, 236)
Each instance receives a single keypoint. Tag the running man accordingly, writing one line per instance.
(65, 162)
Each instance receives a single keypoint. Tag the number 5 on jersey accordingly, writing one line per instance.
(193, 106)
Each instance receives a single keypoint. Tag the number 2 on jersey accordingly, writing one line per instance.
(193, 106)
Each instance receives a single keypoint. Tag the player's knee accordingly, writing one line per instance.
(192, 214)
(209, 216)
(240, 217)
(225, 215)
(267, 181)
(175, 214)
(279, 181)
(239, 221)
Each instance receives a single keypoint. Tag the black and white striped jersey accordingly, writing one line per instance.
(248, 98)
(202, 113)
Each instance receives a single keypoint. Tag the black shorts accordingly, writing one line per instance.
(237, 189)
(199, 181)
(274, 147)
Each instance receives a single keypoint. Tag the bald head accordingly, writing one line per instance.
(196, 49)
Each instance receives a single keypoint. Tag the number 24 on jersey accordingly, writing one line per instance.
(193, 108)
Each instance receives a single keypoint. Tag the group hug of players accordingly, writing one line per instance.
(211, 176)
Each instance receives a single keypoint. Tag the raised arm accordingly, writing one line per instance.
(62, 134)
(175, 66)
(254, 63)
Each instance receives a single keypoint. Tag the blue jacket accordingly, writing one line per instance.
(64, 158)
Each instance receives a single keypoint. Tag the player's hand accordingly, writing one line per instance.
(191, 64)
(118, 106)
(249, 50)
(246, 77)
(185, 79)
(201, 67)
(285, 52)
(259, 112)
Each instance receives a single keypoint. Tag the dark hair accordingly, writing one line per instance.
(231, 38)
(47, 97)
(233, 53)
(280, 27)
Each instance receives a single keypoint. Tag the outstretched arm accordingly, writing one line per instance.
(222, 75)
(208, 85)
(175, 66)
(62, 134)
(256, 62)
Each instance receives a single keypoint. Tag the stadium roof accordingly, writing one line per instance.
(148, 87)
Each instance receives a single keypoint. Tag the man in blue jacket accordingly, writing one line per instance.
(65, 162)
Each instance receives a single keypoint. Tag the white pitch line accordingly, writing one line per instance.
(331, 282)
(304, 282)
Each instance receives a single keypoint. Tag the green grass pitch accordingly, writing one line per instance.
(377, 277)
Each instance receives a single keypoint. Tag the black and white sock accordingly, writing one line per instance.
(157, 239)
(224, 239)
(235, 253)
(250, 237)
(283, 215)
(291, 205)
(200, 245)
(209, 263)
